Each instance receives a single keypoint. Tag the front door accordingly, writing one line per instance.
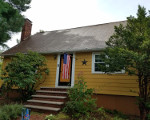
(65, 81)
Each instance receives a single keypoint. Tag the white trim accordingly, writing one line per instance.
(57, 70)
(73, 70)
(72, 74)
(100, 72)
(93, 61)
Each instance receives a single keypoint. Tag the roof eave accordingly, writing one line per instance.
(60, 52)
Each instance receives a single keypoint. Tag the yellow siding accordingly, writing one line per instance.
(115, 84)
(118, 84)
(6, 60)
(52, 65)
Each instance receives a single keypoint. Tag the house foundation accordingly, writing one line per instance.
(124, 104)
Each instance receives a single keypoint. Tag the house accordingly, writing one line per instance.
(84, 44)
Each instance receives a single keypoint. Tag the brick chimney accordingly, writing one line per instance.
(26, 30)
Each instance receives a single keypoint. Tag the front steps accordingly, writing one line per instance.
(48, 100)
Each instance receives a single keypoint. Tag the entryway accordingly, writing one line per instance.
(69, 81)
(65, 81)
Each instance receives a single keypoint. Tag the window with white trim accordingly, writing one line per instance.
(96, 62)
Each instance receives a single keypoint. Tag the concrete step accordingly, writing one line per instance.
(54, 89)
(49, 98)
(46, 96)
(43, 109)
(46, 91)
(52, 93)
(55, 104)
(47, 102)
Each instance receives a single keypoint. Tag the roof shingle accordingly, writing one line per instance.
(88, 38)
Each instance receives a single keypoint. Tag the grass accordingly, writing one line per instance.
(60, 116)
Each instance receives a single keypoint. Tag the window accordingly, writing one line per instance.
(96, 61)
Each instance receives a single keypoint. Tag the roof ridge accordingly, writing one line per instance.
(86, 26)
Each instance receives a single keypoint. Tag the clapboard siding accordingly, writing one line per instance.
(51, 64)
(115, 84)
(6, 60)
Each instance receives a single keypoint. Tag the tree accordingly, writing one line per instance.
(11, 19)
(26, 72)
(129, 48)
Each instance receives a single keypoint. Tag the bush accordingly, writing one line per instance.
(10, 112)
(25, 72)
(80, 101)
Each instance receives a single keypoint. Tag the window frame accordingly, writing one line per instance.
(101, 72)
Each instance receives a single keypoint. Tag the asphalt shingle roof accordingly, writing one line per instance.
(88, 38)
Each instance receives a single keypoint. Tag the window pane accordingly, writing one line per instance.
(97, 66)
(97, 58)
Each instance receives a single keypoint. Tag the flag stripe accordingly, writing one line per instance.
(66, 66)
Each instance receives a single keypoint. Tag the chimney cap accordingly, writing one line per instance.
(26, 19)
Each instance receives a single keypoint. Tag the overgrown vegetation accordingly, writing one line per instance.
(129, 48)
(98, 114)
(25, 72)
(80, 101)
(10, 112)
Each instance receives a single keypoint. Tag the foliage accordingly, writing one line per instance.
(26, 72)
(50, 117)
(117, 114)
(1, 61)
(99, 114)
(11, 19)
(60, 116)
(80, 102)
(103, 114)
(148, 116)
(10, 112)
(129, 48)
(117, 118)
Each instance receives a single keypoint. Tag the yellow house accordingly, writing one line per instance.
(83, 44)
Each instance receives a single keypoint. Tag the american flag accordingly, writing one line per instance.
(66, 67)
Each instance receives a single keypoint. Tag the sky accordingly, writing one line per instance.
(49, 15)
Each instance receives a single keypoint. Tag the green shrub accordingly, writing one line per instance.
(80, 101)
(26, 72)
(10, 112)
